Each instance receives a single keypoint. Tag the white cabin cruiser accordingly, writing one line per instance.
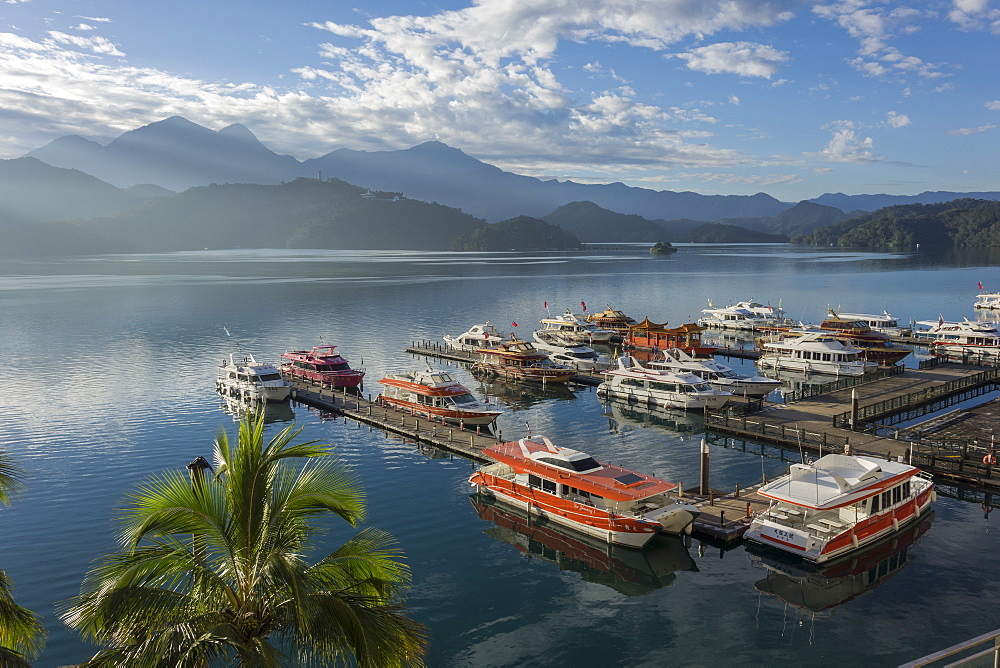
(478, 336)
(980, 340)
(576, 329)
(574, 355)
(743, 316)
(246, 378)
(716, 374)
(659, 387)
(988, 301)
(814, 352)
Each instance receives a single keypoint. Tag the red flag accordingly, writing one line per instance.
(546, 304)
(486, 335)
(584, 305)
(980, 285)
(513, 324)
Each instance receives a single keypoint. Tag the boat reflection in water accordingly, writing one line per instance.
(622, 415)
(520, 396)
(820, 588)
(629, 571)
(273, 412)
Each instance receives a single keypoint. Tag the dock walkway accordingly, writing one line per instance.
(814, 423)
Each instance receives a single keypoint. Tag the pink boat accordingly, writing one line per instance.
(321, 365)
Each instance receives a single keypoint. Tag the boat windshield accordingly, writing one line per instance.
(269, 376)
(333, 367)
(578, 465)
(463, 399)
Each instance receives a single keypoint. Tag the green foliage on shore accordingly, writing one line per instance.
(521, 233)
(662, 248)
(959, 223)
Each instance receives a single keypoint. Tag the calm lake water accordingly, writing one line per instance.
(109, 365)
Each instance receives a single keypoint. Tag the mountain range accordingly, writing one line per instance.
(177, 154)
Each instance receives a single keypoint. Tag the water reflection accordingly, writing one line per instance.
(522, 396)
(630, 572)
(623, 416)
(821, 588)
(273, 411)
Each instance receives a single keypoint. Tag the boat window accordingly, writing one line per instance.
(270, 376)
(578, 465)
(444, 378)
(897, 494)
(464, 399)
(548, 485)
(874, 505)
(633, 382)
(886, 499)
(906, 489)
(826, 357)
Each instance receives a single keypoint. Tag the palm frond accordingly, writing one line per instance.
(22, 635)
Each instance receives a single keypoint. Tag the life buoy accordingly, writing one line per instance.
(990, 459)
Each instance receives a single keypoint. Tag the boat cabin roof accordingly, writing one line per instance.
(836, 480)
(537, 455)
(430, 382)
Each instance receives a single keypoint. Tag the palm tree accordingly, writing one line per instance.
(22, 635)
(212, 568)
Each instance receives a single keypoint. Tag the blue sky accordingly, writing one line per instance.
(714, 96)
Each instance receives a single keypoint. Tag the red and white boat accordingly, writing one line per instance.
(569, 487)
(436, 394)
(839, 504)
(321, 365)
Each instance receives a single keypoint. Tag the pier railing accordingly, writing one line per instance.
(843, 383)
(983, 650)
(780, 433)
(905, 401)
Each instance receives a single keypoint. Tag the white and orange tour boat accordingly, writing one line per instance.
(321, 365)
(571, 488)
(436, 394)
(839, 504)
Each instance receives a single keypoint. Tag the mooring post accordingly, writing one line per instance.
(703, 480)
(854, 409)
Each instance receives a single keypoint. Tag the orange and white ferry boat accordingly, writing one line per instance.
(436, 394)
(839, 504)
(571, 488)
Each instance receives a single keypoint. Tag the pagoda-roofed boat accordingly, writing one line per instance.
(520, 360)
(321, 364)
(436, 394)
(613, 504)
(648, 335)
(614, 320)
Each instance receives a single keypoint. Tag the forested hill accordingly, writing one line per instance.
(520, 233)
(304, 213)
(962, 222)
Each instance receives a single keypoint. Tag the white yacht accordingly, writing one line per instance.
(478, 336)
(716, 374)
(576, 329)
(743, 316)
(574, 355)
(660, 387)
(885, 323)
(988, 300)
(980, 340)
(814, 352)
(246, 378)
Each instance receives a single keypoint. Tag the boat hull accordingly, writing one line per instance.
(350, 380)
(437, 413)
(272, 394)
(588, 520)
(528, 374)
(814, 366)
(684, 401)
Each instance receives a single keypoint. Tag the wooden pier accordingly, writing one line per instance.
(826, 423)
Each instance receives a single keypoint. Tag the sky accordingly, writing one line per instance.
(794, 99)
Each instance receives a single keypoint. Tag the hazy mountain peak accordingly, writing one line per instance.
(240, 132)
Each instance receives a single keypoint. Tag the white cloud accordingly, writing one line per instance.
(743, 58)
(975, 15)
(873, 25)
(733, 100)
(993, 105)
(971, 131)
(98, 45)
(83, 26)
(846, 145)
(894, 120)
